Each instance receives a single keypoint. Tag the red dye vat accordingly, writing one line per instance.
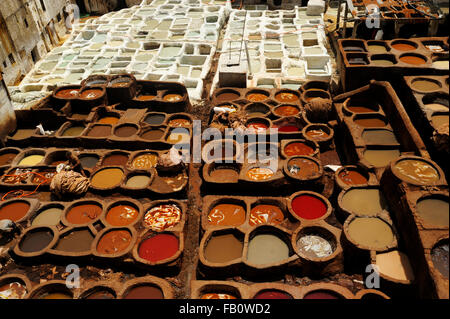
(273, 294)
(159, 247)
(288, 128)
(309, 207)
(322, 294)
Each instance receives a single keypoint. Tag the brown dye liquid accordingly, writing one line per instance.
(73, 131)
(317, 134)
(88, 161)
(83, 214)
(256, 97)
(303, 168)
(153, 135)
(351, 177)
(100, 131)
(114, 242)
(107, 178)
(416, 171)
(266, 214)
(403, 47)
(108, 120)
(286, 111)
(125, 131)
(145, 97)
(180, 123)
(381, 158)
(286, 97)
(145, 292)
(425, 86)
(56, 295)
(115, 160)
(223, 248)
(155, 119)
(67, 93)
(91, 94)
(434, 211)
(224, 175)
(76, 241)
(36, 241)
(23, 133)
(102, 294)
(382, 137)
(225, 97)
(7, 158)
(370, 232)
(145, 161)
(410, 59)
(14, 211)
(364, 201)
(360, 109)
(227, 215)
(172, 98)
(370, 122)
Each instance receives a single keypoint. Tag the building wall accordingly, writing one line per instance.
(28, 30)
(7, 117)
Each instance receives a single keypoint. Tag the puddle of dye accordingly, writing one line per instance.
(272, 294)
(395, 264)
(36, 241)
(314, 246)
(303, 168)
(381, 158)
(121, 215)
(23, 133)
(259, 173)
(352, 177)
(434, 211)
(158, 247)
(425, 86)
(267, 249)
(99, 131)
(365, 201)
(223, 248)
(114, 242)
(416, 171)
(162, 217)
(297, 149)
(439, 256)
(381, 137)
(14, 211)
(227, 215)
(322, 294)
(107, 178)
(83, 214)
(76, 241)
(88, 161)
(31, 160)
(308, 207)
(13, 290)
(145, 161)
(145, 292)
(370, 232)
(48, 217)
(265, 214)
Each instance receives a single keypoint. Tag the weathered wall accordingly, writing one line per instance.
(7, 117)
(29, 29)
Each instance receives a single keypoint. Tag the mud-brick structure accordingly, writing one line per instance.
(28, 30)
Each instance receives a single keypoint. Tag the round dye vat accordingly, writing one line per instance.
(13, 290)
(154, 119)
(395, 264)
(108, 120)
(272, 294)
(35, 241)
(91, 94)
(31, 160)
(257, 97)
(287, 128)
(258, 126)
(56, 295)
(364, 201)
(7, 158)
(99, 131)
(107, 178)
(83, 213)
(227, 215)
(23, 133)
(145, 97)
(381, 137)
(145, 292)
(114, 242)
(125, 131)
(382, 62)
(48, 217)
(370, 122)
(67, 93)
(352, 177)
(116, 159)
(380, 158)
(218, 296)
(403, 46)
(314, 246)
(227, 96)
(223, 248)
(412, 59)
(286, 97)
(159, 247)
(152, 135)
(439, 120)
(322, 294)
(298, 149)
(361, 109)
(180, 122)
(377, 48)
(76, 241)
(425, 85)
(14, 211)
(303, 168)
(309, 207)
(138, 181)
(286, 110)
(439, 256)
(172, 97)
(267, 249)
(88, 161)
(371, 232)
(162, 217)
(266, 214)
(101, 294)
(73, 131)
(416, 171)
(434, 210)
(259, 173)
(121, 215)
(317, 134)
(145, 161)
(225, 174)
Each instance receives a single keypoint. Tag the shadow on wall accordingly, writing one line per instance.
(103, 6)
